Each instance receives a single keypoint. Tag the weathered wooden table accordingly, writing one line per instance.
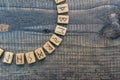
(84, 53)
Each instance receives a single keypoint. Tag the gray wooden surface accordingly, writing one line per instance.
(84, 53)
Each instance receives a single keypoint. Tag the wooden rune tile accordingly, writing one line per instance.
(49, 47)
(8, 57)
(30, 57)
(63, 19)
(40, 54)
(56, 40)
(60, 30)
(62, 8)
(20, 59)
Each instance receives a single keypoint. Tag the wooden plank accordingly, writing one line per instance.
(84, 53)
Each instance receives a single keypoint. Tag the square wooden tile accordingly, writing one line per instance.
(40, 54)
(20, 59)
(56, 40)
(49, 47)
(60, 30)
(59, 1)
(62, 8)
(63, 19)
(8, 57)
(30, 57)
(4, 27)
(1, 52)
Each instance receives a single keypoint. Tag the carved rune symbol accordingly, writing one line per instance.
(4, 27)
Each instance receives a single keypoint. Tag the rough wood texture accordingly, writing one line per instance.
(83, 54)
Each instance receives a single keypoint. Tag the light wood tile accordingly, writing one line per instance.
(8, 57)
(56, 40)
(20, 58)
(30, 57)
(49, 47)
(63, 19)
(40, 54)
(60, 30)
(62, 8)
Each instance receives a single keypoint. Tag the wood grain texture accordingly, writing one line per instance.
(83, 55)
